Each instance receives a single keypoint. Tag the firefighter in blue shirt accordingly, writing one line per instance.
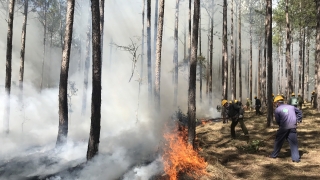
(287, 117)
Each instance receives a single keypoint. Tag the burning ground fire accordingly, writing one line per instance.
(179, 157)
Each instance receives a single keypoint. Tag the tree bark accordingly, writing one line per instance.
(250, 57)
(8, 67)
(175, 53)
(210, 63)
(225, 52)
(23, 47)
(158, 59)
(63, 84)
(94, 138)
(232, 74)
(318, 56)
(288, 58)
(239, 50)
(155, 34)
(189, 34)
(192, 77)
(303, 77)
(101, 8)
(149, 50)
(307, 64)
(269, 63)
(202, 60)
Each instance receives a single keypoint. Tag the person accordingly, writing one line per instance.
(293, 100)
(287, 117)
(235, 113)
(300, 101)
(313, 98)
(258, 106)
(248, 104)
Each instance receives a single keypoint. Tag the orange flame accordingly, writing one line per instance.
(179, 157)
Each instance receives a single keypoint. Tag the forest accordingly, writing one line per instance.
(132, 89)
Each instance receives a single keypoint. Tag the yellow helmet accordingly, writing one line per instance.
(230, 102)
(223, 102)
(292, 94)
(255, 97)
(298, 94)
(278, 98)
(235, 101)
(272, 94)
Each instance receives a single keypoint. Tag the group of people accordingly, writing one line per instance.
(286, 115)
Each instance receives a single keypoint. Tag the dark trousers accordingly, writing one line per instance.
(258, 110)
(291, 136)
(234, 124)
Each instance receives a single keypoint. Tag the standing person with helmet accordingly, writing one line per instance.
(258, 106)
(300, 101)
(235, 113)
(293, 100)
(313, 95)
(287, 117)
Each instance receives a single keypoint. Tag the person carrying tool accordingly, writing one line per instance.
(235, 113)
(300, 101)
(287, 117)
(293, 100)
(258, 106)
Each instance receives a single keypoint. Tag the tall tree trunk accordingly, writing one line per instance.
(259, 67)
(318, 56)
(225, 52)
(8, 67)
(44, 42)
(307, 64)
(202, 60)
(149, 50)
(288, 58)
(63, 84)
(158, 59)
(60, 25)
(239, 50)
(210, 63)
(279, 63)
(86, 69)
(175, 54)
(303, 61)
(300, 58)
(153, 59)
(94, 138)
(250, 57)
(192, 77)
(23, 47)
(189, 33)
(232, 74)
(101, 9)
(142, 38)
(269, 61)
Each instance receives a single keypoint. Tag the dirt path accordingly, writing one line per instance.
(246, 157)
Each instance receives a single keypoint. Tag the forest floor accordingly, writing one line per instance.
(247, 157)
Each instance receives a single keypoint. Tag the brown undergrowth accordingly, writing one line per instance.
(247, 157)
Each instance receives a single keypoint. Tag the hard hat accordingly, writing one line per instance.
(255, 97)
(230, 101)
(223, 102)
(298, 94)
(235, 101)
(278, 94)
(272, 94)
(247, 98)
(278, 98)
(292, 94)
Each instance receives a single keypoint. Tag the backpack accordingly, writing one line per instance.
(294, 101)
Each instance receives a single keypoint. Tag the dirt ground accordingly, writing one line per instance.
(247, 157)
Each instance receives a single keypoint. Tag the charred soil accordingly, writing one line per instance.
(247, 157)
